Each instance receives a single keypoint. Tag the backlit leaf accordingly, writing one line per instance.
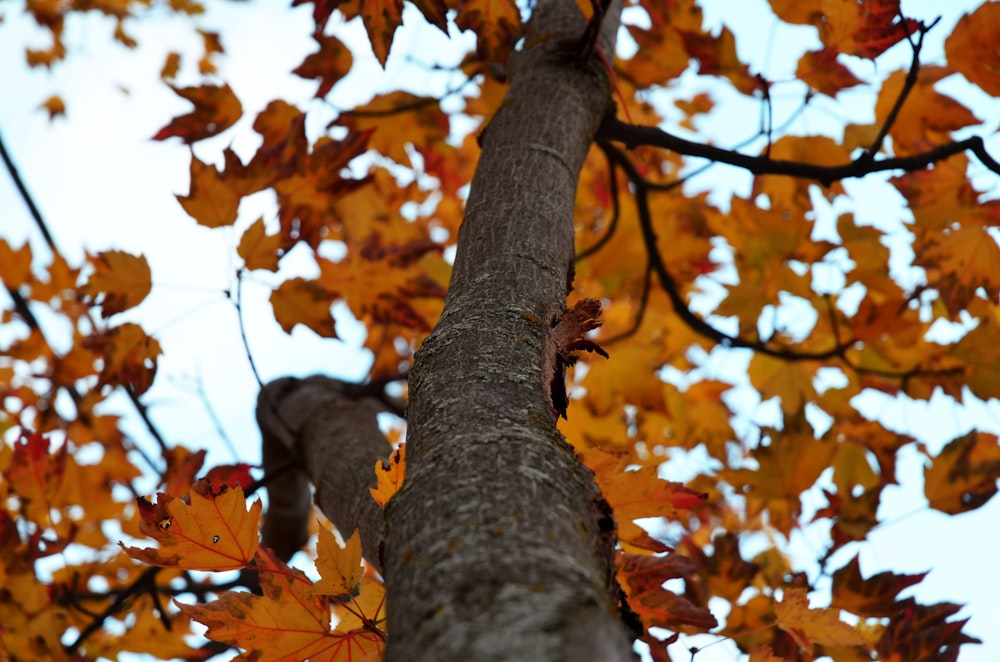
(390, 475)
(339, 567)
(496, 23)
(301, 301)
(212, 533)
(810, 627)
(972, 47)
(129, 356)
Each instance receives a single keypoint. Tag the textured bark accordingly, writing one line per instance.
(500, 546)
(321, 431)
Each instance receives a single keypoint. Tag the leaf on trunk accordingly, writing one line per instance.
(390, 474)
(567, 335)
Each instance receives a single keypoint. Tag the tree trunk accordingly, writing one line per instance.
(500, 545)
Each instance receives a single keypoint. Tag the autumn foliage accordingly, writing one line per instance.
(669, 281)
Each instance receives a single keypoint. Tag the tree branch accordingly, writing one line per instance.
(632, 136)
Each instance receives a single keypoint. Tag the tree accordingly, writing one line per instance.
(504, 541)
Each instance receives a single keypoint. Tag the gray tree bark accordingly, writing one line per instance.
(499, 546)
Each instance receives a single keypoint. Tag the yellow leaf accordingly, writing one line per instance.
(399, 119)
(214, 532)
(339, 567)
(120, 281)
(389, 475)
(810, 627)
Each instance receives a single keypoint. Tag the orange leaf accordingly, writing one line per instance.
(637, 494)
(15, 265)
(971, 47)
(390, 475)
(212, 200)
(212, 533)
(301, 301)
(182, 466)
(964, 475)
(284, 624)
(434, 11)
(328, 65)
(381, 18)
(399, 119)
(927, 118)
(643, 576)
(120, 281)
(496, 23)
(215, 110)
(129, 356)
(260, 250)
(813, 626)
(821, 71)
(35, 474)
(54, 106)
(339, 567)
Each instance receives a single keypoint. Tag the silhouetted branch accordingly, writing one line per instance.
(911, 80)
(669, 285)
(632, 136)
(615, 214)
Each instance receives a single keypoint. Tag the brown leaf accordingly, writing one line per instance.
(216, 109)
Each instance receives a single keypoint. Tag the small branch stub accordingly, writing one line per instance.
(565, 335)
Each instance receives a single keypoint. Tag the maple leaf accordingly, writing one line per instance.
(389, 474)
(213, 200)
(129, 356)
(496, 24)
(285, 623)
(216, 109)
(964, 475)
(35, 474)
(716, 56)
(396, 120)
(182, 466)
(301, 301)
(214, 532)
(643, 576)
(260, 250)
(875, 596)
(15, 265)
(328, 65)
(339, 568)
(970, 48)
(223, 477)
(638, 494)
(821, 71)
(810, 627)
(927, 118)
(120, 281)
(566, 335)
